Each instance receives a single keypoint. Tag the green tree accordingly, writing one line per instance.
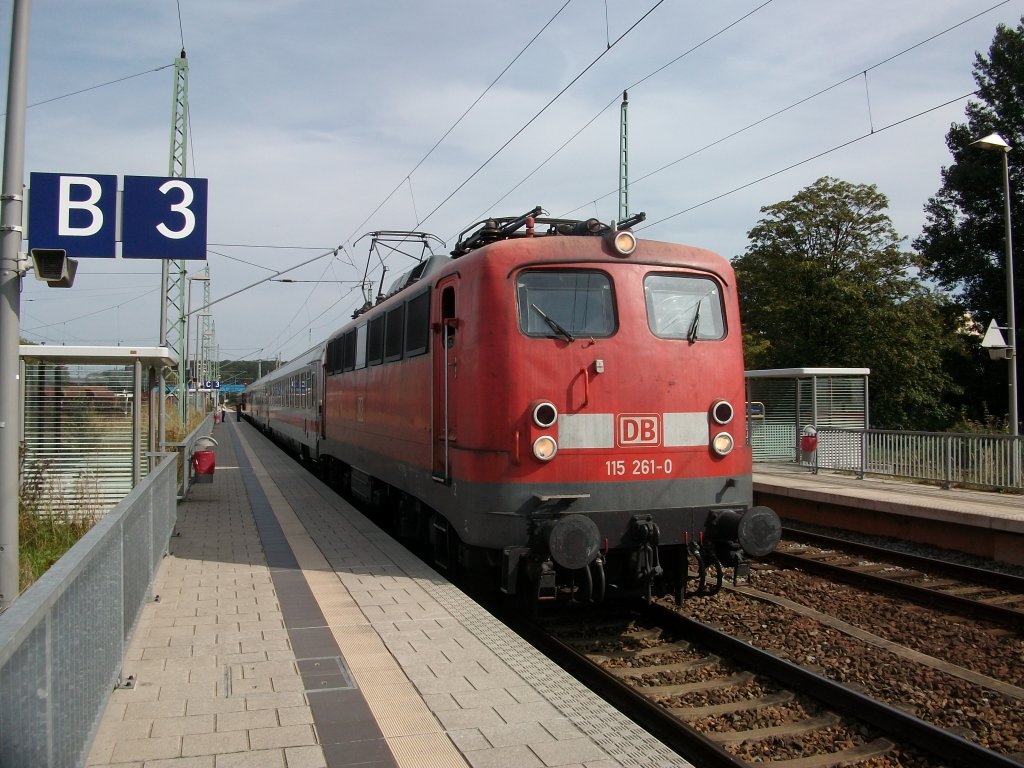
(824, 282)
(962, 247)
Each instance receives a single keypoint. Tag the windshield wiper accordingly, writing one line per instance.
(553, 324)
(691, 335)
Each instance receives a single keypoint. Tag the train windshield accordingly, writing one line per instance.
(684, 307)
(566, 304)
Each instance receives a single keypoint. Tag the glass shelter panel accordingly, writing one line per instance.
(78, 435)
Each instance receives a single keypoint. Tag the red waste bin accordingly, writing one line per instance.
(204, 463)
(808, 443)
(204, 460)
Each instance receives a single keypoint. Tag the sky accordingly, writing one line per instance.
(317, 121)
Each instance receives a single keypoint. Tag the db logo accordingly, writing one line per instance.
(639, 429)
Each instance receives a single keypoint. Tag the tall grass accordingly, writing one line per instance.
(47, 526)
(173, 429)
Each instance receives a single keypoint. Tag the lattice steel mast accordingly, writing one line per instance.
(624, 159)
(172, 293)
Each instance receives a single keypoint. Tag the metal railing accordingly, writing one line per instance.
(62, 642)
(948, 459)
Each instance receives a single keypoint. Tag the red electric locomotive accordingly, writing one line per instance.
(559, 404)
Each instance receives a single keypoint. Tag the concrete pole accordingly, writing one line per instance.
(11, 204)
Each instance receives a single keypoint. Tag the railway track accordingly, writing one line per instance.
(720, 701)
(959, 589)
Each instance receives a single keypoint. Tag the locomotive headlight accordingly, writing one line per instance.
(722, 444)
(544, 414)
(623, 242)
(545, 448)
(722, 412)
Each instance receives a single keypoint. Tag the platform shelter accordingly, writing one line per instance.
(782, 403)
(88, 427)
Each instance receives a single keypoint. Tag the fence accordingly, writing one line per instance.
(62, 642)
(983, 461)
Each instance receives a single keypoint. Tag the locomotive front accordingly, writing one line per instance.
(602, 437)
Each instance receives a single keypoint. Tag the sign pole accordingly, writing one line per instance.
(11, 199)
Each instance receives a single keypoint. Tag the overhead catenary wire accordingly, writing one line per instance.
(544, 109)
(615, 100)
(791, 166)
(94, 87)
(793, 105)
(454, 125)
(181, 27)
(299, 307)
(338, 301)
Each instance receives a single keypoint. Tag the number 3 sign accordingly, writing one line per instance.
(163, 218)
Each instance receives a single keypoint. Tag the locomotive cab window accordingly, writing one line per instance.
(684, 307)
(560, 303)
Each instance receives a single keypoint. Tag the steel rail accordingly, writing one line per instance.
(979, 575)
(920, 594)
(889, 720)
(670, 730)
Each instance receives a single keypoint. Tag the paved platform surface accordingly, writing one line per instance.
(986, 524)
(982, 509)
(289, 632)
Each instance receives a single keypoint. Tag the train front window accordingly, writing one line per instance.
(565, 304)
(683, 307)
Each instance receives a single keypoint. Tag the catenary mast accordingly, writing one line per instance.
(172, 273)
(624, 159)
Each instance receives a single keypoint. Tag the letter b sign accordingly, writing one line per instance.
(77, 214)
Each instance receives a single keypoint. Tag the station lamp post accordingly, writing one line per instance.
(995, 142)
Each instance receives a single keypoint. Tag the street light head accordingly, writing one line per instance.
(993, 141)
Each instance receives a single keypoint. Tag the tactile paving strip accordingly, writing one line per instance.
(349, 542)
(411, 732)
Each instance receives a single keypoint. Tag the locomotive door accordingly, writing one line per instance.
(445, 371)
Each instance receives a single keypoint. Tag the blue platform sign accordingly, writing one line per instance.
(163, 218)
(77, 213)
